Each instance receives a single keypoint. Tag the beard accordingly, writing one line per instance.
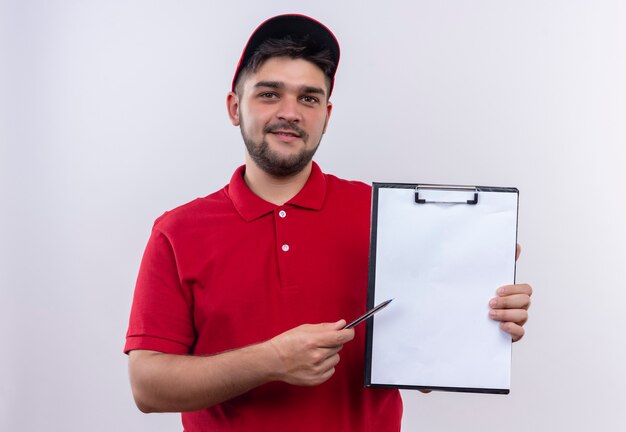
(272, 162)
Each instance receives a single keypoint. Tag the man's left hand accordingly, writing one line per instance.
(510, 306)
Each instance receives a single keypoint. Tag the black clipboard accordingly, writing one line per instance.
(440, 251)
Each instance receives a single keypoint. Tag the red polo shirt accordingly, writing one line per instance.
(231, 269)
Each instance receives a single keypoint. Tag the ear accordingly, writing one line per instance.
(232, 105)
(329, 109)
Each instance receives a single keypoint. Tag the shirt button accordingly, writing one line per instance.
(282, 213)
(285, 247)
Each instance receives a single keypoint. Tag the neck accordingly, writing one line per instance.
(277, 190)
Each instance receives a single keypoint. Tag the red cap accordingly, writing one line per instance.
(298, 27)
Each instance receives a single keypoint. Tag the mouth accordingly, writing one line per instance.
(285, 133)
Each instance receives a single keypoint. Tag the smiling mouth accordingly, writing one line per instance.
(286, 131)
(286, 134)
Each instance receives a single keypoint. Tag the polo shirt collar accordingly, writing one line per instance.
(251, 207)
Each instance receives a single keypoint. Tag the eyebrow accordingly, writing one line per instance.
(313, 90)
(303, 89)
(270, 84)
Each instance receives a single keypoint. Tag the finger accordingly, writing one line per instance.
(313, 379)
(514, 301)
(518, 251)
(515, 330)
(325, 370)
(319, 360)
(326, 326)
(324, 376)
(346, 335)
(338, 325)
(322, 355)
(507, 290)
(331, 362)
(335, 338)
(519, 316)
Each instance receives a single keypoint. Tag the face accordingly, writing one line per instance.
(282, 110)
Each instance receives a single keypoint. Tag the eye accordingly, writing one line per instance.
(309, 99)
(268, 95)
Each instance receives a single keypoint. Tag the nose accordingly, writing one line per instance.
(289, 110)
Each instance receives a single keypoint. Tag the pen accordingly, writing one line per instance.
(367, 314)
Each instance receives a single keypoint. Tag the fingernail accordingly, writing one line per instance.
(492, 313)
(492, 302)
(500, 290)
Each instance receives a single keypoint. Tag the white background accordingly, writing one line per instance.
(114, 111)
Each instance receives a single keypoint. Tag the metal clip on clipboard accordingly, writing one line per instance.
(457, 195)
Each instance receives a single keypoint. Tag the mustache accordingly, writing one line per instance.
(286, 126)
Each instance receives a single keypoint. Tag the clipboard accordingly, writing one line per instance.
(440, 251)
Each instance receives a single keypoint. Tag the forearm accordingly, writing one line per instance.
(175, 383)
(305, 355)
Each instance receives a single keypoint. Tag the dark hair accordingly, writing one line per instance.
(304, 49)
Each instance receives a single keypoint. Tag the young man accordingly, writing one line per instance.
(242, 296)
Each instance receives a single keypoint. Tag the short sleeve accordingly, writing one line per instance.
(161, 317)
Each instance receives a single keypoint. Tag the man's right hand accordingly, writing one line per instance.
(307, 355)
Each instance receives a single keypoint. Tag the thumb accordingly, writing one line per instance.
(338, 325)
